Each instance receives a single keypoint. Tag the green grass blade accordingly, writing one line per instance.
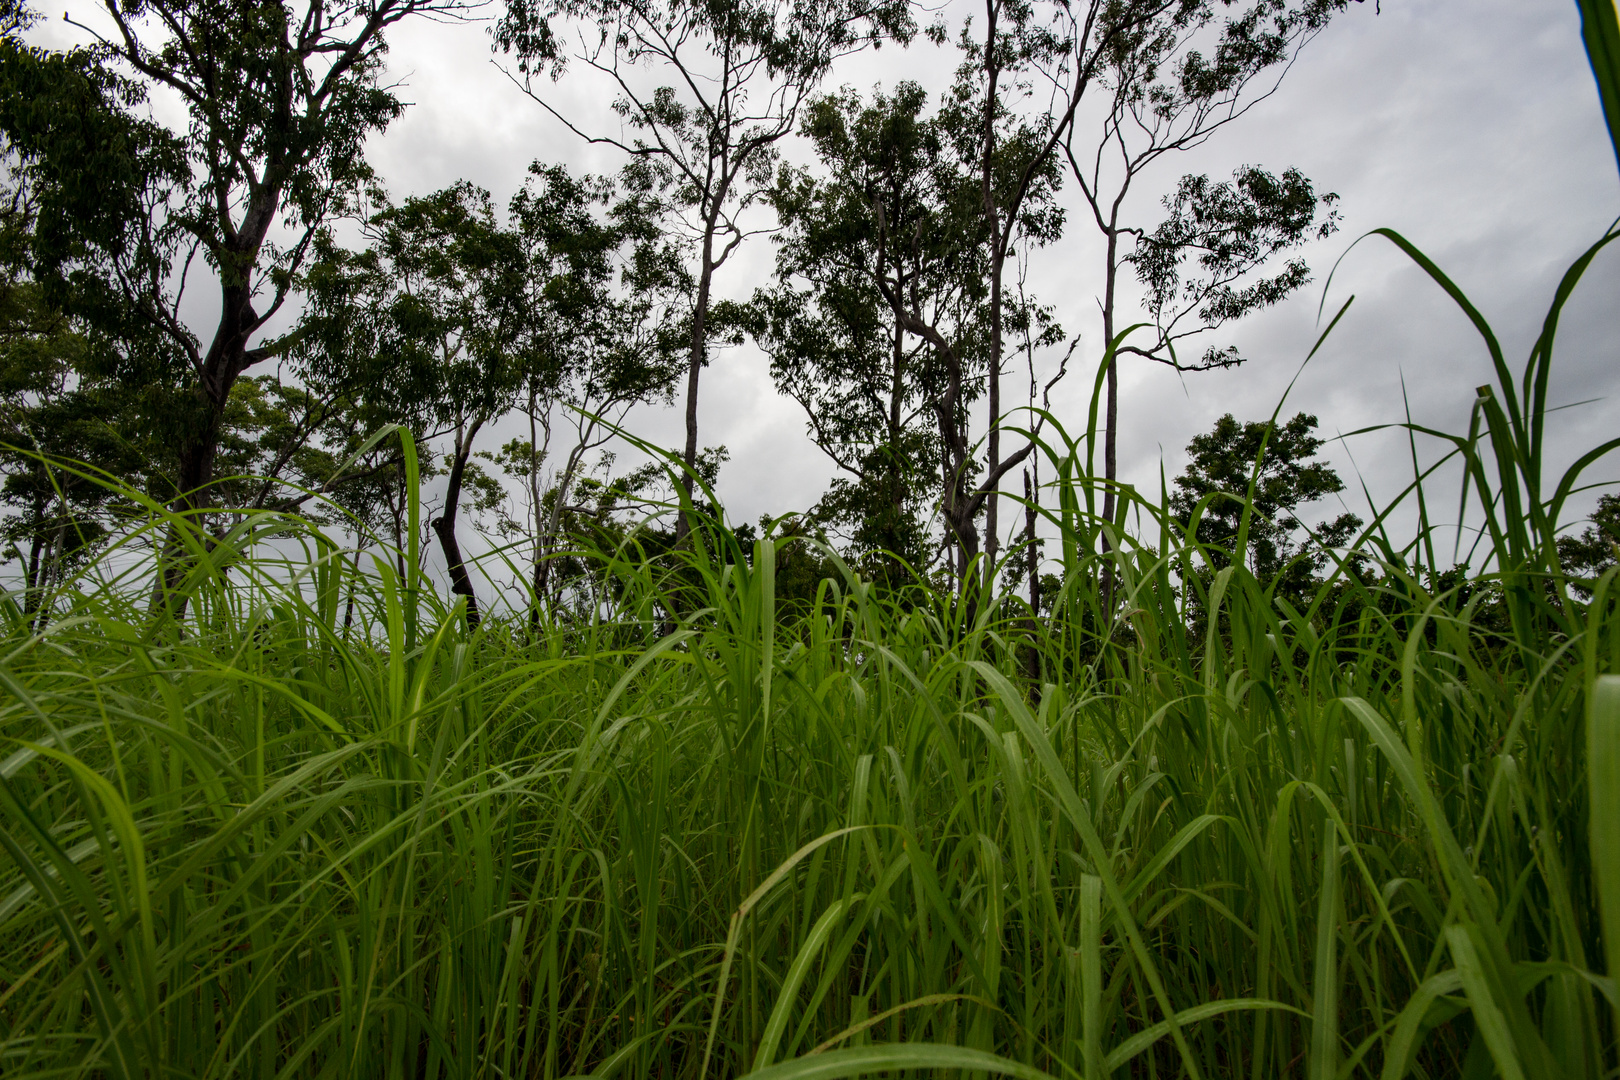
(891, 1058)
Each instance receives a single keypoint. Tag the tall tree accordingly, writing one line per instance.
(604, 288)
(894, 227)
(739, 72)
(1026, 47)
(77, 167)
(51, 413)
(1025, 73)
(1170, 85)
(434, 312)
(277, 100)
(835, 344)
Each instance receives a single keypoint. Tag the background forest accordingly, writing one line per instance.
(901, 317)
(988, 762)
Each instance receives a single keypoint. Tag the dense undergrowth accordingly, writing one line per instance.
(307, 824)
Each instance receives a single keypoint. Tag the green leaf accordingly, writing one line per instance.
(1488, 1017)
(1600, 30)
(1603, 779)
(890, 1057)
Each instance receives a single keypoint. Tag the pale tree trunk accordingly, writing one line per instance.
(694, 365)
(537, 581)
(1031, 558)
(1111, 394)
(33, 586)
(553, 531)
(1110, 407)
(1032, 566)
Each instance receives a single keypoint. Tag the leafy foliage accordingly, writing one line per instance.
(1250, 479)
(1592, 552)
(1229, 230)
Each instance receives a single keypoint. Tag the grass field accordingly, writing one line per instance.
(1376, 836)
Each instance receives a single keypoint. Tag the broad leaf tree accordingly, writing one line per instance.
(898, 226)
(827, 323)
(1220, 488)
(604, 300)
(77, 169)
(53, 413)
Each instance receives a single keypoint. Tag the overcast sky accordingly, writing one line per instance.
(1471, 126)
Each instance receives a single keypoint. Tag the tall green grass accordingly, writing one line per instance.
(885, 833)
(287, 817)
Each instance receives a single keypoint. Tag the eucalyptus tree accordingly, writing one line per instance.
(1025, 72)
(432, 314)
(604, 286)
(738, 72)
(1028, 50)
(275, 102)
(1170, 86)
(875, 322)
(880, 322)
(836, 346)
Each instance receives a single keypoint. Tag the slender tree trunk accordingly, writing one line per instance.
(553, 532)
(992, 538)
(33, 586)
(1111, 394)
(1032, 566)
(49, 573)
(895, 465)
(1031, 559)
(538, 580)
(1110, 411)
(354, 583)
(694, 365)
(396, 515)
(445, 524)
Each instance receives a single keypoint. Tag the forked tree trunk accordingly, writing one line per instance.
(444, 526)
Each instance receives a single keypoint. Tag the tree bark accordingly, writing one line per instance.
(33, 586)
(1111, 398)
(992, 539)
(228, 354)
(1032, 566)
(1110, 408)
(894, 466)
(553, 531)
(538, 577)
(1031, 560)
(444, 526)
(694, 365)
